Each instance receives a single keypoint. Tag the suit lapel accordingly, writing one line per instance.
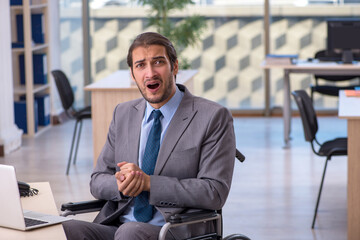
(135, 118)
(182, 118)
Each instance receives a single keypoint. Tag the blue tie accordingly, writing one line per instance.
(143, 211)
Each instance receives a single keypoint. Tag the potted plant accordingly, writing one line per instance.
(183, 33)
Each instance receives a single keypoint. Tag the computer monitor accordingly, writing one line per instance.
(344, 38)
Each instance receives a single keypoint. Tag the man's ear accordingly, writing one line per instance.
(132, 74)
(176, 67)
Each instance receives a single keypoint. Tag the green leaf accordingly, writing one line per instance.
(183, 33)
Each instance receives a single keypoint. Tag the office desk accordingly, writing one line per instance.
(325, 68)
(43, 202)
(349, 108)
(115, 89)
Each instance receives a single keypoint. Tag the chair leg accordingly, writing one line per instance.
(77, 142)
(71, 149)
(319, 194)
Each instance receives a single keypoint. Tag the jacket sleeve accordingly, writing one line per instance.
(103, 182)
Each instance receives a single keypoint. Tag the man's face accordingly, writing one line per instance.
(152, 74)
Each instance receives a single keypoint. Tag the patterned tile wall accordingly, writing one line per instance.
(72, 56)
(228, 57)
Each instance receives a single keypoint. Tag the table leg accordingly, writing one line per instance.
(287, 109)
(267, 93)
(353, 191)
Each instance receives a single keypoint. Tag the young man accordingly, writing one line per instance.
(166, 153)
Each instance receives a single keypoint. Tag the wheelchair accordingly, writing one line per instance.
(174, 221)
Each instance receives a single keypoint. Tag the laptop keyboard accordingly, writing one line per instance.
(33, 222)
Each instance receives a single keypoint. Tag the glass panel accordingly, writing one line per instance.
(72, 46)
(303, 31)
(227, 57)
(231, 49)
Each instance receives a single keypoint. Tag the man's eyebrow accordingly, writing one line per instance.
(158, 57)
(154, 58)
(139, 61)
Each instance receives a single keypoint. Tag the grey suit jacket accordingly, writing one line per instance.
(194, 167)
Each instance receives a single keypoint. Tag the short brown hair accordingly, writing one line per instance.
(152, 38)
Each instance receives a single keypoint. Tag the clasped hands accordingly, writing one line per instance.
(131, 180)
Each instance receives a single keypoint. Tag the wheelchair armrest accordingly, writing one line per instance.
(181, 219)
(71, 208)
(192, 216)
(239, 156)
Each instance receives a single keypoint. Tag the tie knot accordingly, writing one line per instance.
(157, 114)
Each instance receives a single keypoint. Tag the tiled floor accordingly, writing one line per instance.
(273, 193)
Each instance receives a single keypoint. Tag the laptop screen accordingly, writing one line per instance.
(10, 205)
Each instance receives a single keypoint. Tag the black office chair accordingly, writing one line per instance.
(67, 100)
(330, 89)
(335, 147)
(174, 221)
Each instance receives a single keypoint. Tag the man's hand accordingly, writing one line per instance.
(131, 180)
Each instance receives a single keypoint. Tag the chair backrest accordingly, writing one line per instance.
(64, 89)
(307, 113)
(323, 55)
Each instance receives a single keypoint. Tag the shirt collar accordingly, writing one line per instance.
(169, 108)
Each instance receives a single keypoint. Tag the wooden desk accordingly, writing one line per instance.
(325, 68)
(115, 89)
(43, 202)
(349, 108)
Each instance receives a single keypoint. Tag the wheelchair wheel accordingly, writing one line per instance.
(236, 237)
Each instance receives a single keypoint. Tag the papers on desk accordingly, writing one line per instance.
(352, 93)
(280, 59)
(304, 62)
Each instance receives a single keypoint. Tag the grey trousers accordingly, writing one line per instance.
(82, 230)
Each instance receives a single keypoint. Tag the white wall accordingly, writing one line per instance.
(10, 135)
(55, 53)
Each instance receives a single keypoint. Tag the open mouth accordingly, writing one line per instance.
(153, 86)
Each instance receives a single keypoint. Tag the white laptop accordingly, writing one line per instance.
(11, 213)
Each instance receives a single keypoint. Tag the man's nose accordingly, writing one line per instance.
(150, 72)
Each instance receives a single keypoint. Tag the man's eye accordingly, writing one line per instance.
(159, 62)
(139, 65)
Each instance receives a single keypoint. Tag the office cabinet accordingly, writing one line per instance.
(20, 113)
(30, 57)
(43, 103)
(39, 69)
